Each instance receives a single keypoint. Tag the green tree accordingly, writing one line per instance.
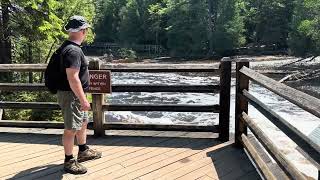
(268, 21)
(304, 39)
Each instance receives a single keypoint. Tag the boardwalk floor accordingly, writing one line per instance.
(38, 154)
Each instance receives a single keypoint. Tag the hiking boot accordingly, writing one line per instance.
(88, 154)
(73, 167)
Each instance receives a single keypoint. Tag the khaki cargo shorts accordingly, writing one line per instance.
(70, 107)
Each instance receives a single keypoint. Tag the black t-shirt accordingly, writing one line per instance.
(73, 57)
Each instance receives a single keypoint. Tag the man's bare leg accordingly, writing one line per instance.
(68, 141)
(82, 134)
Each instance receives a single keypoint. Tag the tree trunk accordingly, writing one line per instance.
(30, 60)
(213, 6)
(5, 41)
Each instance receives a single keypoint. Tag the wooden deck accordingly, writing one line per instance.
(38, 154)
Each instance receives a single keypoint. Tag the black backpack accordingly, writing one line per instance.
(53, 73)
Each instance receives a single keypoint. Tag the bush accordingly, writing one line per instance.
(127, 53)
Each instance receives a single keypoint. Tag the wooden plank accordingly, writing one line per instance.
(122, 88)
(242, 83)
(166, 88)
(161, 68)
(132, 157)
(179, 168)
(23, 143)
(162, 107)
(32, 124)
(109, 146)
(284, 163)
(29, 105)
(146, 158)
(57, 157)
(225, 88)
(307, 145)
(303, 100)
(205, 177)
(117, 107)
(152, 164)
(258, 160)
(198, 172)
(272, 164)
(23, 67)
(161, 127)
(122, 67)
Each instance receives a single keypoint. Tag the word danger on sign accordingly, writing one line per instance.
(100, 82)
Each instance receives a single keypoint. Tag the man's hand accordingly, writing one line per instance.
(75, 85)
(85, 105)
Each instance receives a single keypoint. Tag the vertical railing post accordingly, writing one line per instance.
(1, 113)
(97, 103)
(242, 82)
(225, 86)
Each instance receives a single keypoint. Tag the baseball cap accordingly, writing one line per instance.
(76, 24)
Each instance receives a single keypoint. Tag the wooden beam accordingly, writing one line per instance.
(162, 107)
(225, 87)
(311, 148)
(117, 107)
(23, 67)
(125, 67)
(22, 87)
(35, 124)
(97, 103)
(122, 88)
(256, 157)
(303, 100)
(29, 105)
(161, 127)
(282, 161)
(242, 83)
(31, 124)
(152, 68)
(166, 88)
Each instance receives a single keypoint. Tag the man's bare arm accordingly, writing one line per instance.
(76, 87)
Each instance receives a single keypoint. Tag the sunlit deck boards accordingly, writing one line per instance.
(37, 154)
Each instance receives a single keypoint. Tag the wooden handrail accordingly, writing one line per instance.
(257, 158)
(162, 127)
(303, 100)
(293, 133)
(122, 88)
(242, 83)
(118, 107)
(122, 67)
(284, 163)
(162, 107)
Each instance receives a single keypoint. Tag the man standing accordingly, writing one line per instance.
(72, 98)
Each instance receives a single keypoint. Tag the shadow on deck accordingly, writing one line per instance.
(38, 154)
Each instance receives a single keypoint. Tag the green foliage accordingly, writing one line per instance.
(268, 21)
(229, 28)
(304, 39)
(181, 26)
(30, 115)
(127, 53)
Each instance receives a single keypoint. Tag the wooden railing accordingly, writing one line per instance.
(99, 106)
(310, 104)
